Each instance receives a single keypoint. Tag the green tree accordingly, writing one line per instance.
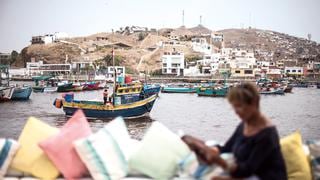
(14, 57)
(118, 60)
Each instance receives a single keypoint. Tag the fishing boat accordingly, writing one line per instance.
(77, 87)
(96, 109)
(21, 93)
(6, 93)
(64, 87)
(288, 88)
(179, 89)
(150, 90)
(91, 86)
(272, 91)
(213, 91)
(44, 84)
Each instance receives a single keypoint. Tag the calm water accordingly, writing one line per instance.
(204, 117)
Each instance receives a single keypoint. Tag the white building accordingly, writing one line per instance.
(173, 63)
(201, 45)
(48, 38)
(217, 37)
(38, 68)
(120, 70)
(293, 71)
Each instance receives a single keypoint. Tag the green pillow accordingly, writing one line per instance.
(160, 153)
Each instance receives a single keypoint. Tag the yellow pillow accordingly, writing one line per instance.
(30, 158)
(295, 158)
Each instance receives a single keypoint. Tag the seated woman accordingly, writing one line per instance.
(254, 144)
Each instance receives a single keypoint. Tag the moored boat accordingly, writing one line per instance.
(21, 93)
(96, 109)
(179, 89)
(271, 91)
(150, 90)
(288, 88)
(6, 93)
(214, 91)
(64, 87)
(91, 86)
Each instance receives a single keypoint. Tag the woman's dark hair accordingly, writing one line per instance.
(246, 93)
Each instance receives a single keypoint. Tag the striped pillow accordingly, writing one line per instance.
(8, 148)
(105, 153)
(314, 147)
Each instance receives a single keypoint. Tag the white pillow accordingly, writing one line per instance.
(160, 153)
(8, 149)
(106, 152)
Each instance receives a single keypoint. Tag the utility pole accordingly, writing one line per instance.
(200, 20)
(182, 17)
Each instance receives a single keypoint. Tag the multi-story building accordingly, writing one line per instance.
(173, 63)
(294, 71)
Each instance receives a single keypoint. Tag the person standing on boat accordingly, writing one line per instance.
(254, 143)
(105, 96)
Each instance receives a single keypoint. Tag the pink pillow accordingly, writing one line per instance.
(60, 150)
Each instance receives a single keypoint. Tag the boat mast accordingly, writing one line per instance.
(114, 71)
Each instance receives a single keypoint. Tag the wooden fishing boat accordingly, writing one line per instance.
(91, 86)
(288, 88)
(272, 91)
(6, 93)
(149, 90)
(127, 89)
(96, 109)
(64, 87)
(77, 87)
(21, 93)
(179, 89)
(213, 91)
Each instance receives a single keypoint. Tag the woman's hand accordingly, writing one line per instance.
(205, 154)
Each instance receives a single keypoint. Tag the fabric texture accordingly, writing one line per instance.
(106, 152)
(60, 150)
(295, 158)
(8, 149)
(314, 148)
(160, 153)
(30, 158)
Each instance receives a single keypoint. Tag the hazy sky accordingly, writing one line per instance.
(21, 19)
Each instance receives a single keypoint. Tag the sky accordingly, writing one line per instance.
(22, 19)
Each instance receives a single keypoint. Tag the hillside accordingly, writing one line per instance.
(140, 50)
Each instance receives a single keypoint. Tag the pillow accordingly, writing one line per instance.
(190, 167)
(30, 158)
(160, 153)
(8, 149)
(60, 150)
(106, 152)
(314, 147)
(295, 158)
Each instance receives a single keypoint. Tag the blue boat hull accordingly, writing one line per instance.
(151, 90)
(21, 93)
(178, 90)
(106, 114)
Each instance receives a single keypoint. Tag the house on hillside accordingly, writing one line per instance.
(173, 63)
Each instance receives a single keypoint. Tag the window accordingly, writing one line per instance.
(294, 70)
(288, 71)
(299, 71)
(174, 71)
(164, 64)
(237, 72)
(248, 72)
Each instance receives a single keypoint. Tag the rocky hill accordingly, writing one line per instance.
(140, 51)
